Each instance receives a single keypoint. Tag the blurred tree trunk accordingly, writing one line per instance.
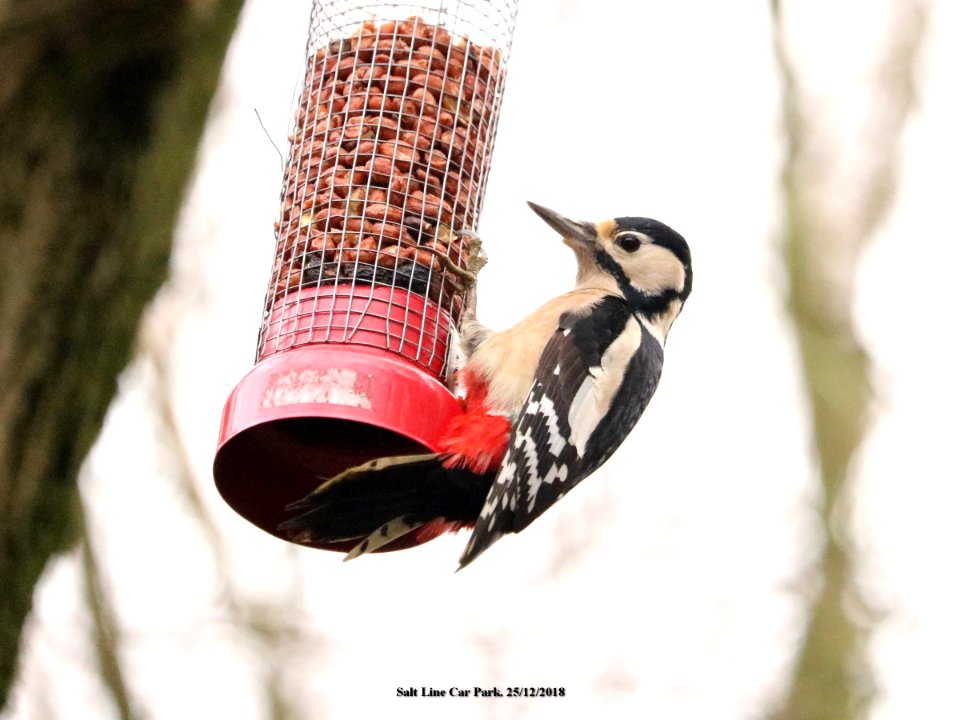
(102, 105)
(831, 212)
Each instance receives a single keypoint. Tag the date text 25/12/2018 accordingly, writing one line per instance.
(513, 691)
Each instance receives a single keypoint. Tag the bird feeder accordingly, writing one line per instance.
(389, 155)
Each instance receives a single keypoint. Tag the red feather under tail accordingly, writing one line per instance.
(437, 527)
(477, 439)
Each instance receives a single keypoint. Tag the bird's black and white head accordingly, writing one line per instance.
(645, 261)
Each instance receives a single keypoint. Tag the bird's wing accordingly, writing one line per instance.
(594, 378)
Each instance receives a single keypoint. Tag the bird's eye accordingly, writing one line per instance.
(630, 243)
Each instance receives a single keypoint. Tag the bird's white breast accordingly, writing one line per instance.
(508, 359)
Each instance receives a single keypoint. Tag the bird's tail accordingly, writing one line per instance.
(387, 498)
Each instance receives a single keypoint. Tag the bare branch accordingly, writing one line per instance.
(105, 629)
(822, 242)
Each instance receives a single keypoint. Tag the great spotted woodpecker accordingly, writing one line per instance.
(547, 401)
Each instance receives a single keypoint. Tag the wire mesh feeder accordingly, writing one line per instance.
(389, 156)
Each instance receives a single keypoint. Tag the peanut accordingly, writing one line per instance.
(402, 155)
(384, 212)
(389, 255)
(355, 250)
(387, 231)
(323, 242)
(381, 169)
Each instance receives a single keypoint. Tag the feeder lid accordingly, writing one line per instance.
(311, 412)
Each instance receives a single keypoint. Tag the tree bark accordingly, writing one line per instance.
(102, 105)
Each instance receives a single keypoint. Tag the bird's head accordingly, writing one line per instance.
(642, 259)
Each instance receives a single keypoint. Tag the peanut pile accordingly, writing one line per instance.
(387, 159)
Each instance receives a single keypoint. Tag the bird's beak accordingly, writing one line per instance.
(581, 234)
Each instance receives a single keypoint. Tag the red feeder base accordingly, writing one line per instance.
(311, 411)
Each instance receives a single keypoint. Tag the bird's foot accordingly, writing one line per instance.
(476, 258)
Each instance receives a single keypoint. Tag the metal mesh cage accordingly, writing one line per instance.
(389, 156)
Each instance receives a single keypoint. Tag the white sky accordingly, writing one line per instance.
(687, 549)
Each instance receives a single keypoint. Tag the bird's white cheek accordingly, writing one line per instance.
(656, 269)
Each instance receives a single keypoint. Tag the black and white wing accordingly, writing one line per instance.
(595, 377)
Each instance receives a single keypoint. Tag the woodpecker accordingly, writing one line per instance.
(547, 401)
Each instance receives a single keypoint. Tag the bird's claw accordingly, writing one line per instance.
(476, 259)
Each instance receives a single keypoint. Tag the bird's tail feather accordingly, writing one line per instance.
(399, 494)
(383, 535)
